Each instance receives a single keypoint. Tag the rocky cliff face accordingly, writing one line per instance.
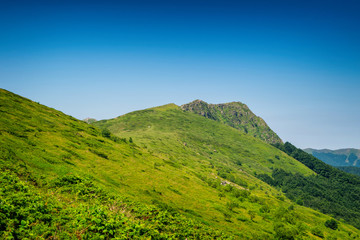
(236, 115)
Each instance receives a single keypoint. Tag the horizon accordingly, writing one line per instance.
(317, 149)
(294, 64)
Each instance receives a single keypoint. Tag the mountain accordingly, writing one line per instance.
(158, 173)
(341, 157)
(170, 132)
(331, 191)
(350, 169)
(89, 120)
(61, 178)
(236, 115)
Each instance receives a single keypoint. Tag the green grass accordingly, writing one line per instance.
(72, 207)
(193, 139)
(236, 115)
(170, 169)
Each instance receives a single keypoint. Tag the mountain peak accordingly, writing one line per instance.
(166, 107)
(235, 114)
(89, 120)
(197, 101)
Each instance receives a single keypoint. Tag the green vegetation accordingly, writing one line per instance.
(191, 140)
(352, 170)
(61, 178)
(331, 224)
(71, 207)
(332, 191)
(229, 154)
(236, 115)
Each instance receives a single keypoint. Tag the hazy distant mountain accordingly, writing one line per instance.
(236, 115)
(340, 157)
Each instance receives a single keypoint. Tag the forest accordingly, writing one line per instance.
(331, 191)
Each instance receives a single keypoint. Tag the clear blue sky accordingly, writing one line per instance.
(294, 63)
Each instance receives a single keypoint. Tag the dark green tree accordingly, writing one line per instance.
(331, 224)
(106, 133)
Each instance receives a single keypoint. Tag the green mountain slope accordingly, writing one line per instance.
(170, 131)
(62, 178)
(332, 191)
(341, 157)
(350, 169)
(187, 139)
(236, 115)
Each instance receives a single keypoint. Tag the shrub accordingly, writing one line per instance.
(331, 224)
(265, 209)
(106, 133)
(283, 232)
(238, 193)
(100, 154)
(231, 205)
(317, 232)
(252, 214)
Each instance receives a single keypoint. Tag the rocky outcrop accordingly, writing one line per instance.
(89, 120)
(236, 115)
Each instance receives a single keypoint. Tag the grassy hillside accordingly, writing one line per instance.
(170, 131)
(341, 157)
(186, 139)
(62, 178)
(236, 115)
(332, 191)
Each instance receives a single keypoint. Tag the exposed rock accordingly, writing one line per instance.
(224, 183)
(89, 120)
(236, 115)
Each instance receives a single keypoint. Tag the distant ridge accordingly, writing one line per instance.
(338, 158)
(236, 115)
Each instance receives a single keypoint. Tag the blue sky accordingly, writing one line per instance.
(294, 63)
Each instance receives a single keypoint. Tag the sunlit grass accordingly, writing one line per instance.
(175, 163)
